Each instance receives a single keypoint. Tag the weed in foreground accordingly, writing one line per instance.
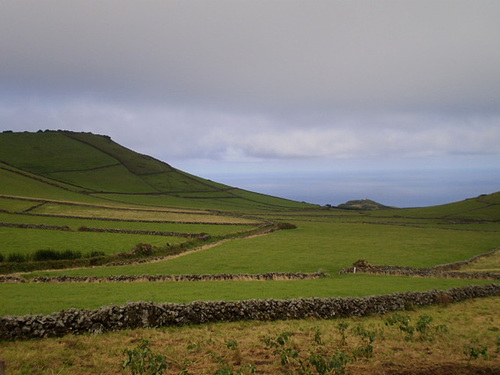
(473, 351)
(142, 361)
(423, 326)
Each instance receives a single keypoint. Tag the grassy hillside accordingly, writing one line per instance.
(96, 166)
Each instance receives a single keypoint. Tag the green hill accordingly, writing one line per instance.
(362, 204)
(83, 166)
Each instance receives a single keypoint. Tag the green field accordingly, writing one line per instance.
(76, 180)
(64, 182)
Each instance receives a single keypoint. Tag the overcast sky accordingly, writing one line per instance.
(391, 100)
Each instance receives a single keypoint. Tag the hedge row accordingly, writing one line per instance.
(151, 314)
(203, 236)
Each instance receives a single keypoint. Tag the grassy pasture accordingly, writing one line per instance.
(74, 224)
(15, 205)
(41, 152)
(187, 201)
(135, 162)
(477, 208)
(330, 247)
(136, 214)
(20, 299)
(27, 241)
(17, 185)
(112, 178)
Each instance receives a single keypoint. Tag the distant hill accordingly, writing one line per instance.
(362, 204)
(82, 166)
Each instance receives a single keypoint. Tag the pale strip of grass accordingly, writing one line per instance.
(74, 224)
(202, 349)
(109, 213)
(18, 299)
(487, 264)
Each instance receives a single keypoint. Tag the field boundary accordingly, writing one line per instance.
(168, 278)
(154, 315)
(441, 270)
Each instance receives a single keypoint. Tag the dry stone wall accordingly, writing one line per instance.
(443, 270)
(166, 278)
(152, 315)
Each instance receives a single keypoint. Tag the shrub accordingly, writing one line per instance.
(142, 361)
(342, 327)
(474, 351)
(49, 254)
(365, 349)
(142, 249)
(330, 365)
(16, 258)
(1, 258)
(286, 226)
(403, 323)
(95, 253)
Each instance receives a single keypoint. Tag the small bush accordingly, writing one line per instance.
(284, 226)
(49, 254)
(403, 323)
(474, 351)
(1, 258)
(342, 327)
(330, 365)
(142, 249)
(365, 349)
(142, 361)
(95, 253)
(16, 258)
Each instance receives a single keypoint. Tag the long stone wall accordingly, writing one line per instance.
(151, 314)
(442, 270)
(166, 278)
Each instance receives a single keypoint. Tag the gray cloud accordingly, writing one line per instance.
(245, 81)
(288, 56)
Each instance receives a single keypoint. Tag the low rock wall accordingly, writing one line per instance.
(151, 314)
(166, 278)
(442, 270)
(35, 226)
(420, 272)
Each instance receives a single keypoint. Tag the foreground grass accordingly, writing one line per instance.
(232, 347)
(20, 299)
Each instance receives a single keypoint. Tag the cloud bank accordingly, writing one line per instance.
(317, 82)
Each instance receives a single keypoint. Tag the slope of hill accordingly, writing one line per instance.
(94, 165)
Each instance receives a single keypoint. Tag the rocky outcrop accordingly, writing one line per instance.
(151, 314)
